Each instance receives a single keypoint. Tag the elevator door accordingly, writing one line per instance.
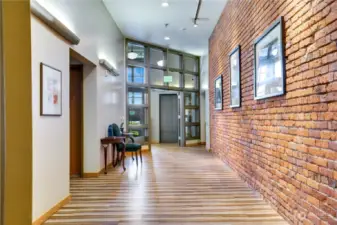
(168, 118)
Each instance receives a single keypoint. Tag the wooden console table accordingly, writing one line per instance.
(112, 141)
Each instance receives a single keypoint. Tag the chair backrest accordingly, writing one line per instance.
(115, 130)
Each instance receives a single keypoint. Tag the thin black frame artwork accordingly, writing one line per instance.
(269, 62)
(218, 93)
(50, 91)
(235, 65)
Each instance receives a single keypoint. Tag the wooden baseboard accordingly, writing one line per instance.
(90, 175)
(93, 175)
(192, 144)
(53, 210)
(203, 143)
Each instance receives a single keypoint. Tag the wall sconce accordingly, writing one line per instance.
(109, 67)
(46, 17)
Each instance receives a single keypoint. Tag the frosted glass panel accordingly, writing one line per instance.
(175, 79)
(191, 81)
(156, 77)
(191, 64)
(173, 61)
(157, 57)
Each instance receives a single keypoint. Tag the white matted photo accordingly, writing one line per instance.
(50, 91)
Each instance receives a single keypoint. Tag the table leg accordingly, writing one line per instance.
(113, 154)
(123, 156)
(105, 158)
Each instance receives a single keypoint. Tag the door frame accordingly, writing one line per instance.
(87, 65)
(178, 125)
(82, 121)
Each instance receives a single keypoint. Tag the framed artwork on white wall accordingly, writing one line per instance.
(50, 91)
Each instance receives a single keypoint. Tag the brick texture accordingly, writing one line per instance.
(284, 147)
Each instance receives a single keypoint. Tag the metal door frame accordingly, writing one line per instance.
(178, 125)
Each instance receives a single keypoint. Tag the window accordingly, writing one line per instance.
(135, 98)
(156, 77)
(157, 57)
(136, 52)
(192, 132)
(191, 81)
(173, 61)
(192, 116)
(191, 99)
(175, 79)
(138, 116)
(136, 75)
(190, 64)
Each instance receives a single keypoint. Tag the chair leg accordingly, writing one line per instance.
(132, 156)
(136, 158)
(141, 157)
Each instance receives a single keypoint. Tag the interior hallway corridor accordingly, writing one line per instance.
(172, 186)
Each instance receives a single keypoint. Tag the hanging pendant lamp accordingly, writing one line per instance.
(132, 55)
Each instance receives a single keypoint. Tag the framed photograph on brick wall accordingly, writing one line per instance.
(269, 62)
(218, 93)
(235, 77)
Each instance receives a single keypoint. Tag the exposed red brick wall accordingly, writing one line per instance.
(284, 147)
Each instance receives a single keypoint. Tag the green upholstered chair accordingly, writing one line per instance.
(129, 147)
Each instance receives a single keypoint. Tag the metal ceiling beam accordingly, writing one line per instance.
(197, 13)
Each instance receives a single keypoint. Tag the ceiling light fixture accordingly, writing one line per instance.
(195, 25)
(167, 38)
(45, 16)
(165, 4)
(109, 67)
(132, 55)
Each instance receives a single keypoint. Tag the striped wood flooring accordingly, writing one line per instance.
(173, 186)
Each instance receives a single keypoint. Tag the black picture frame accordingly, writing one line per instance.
(44, 111)
(218, 102)
(233, 53)
(267, 55)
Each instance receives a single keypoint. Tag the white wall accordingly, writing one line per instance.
(50, 134)
(104, 98)
(204, 106)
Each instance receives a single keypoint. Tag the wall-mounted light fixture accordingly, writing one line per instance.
(109, 67)
(46, 17)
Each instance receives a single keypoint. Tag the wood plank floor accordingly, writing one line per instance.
(180, 186)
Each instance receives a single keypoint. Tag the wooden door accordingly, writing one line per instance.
(76, 114)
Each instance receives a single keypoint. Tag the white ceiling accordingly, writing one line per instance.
(145, 20)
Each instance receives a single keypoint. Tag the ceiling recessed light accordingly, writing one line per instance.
(165, 4)
(167, 38)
